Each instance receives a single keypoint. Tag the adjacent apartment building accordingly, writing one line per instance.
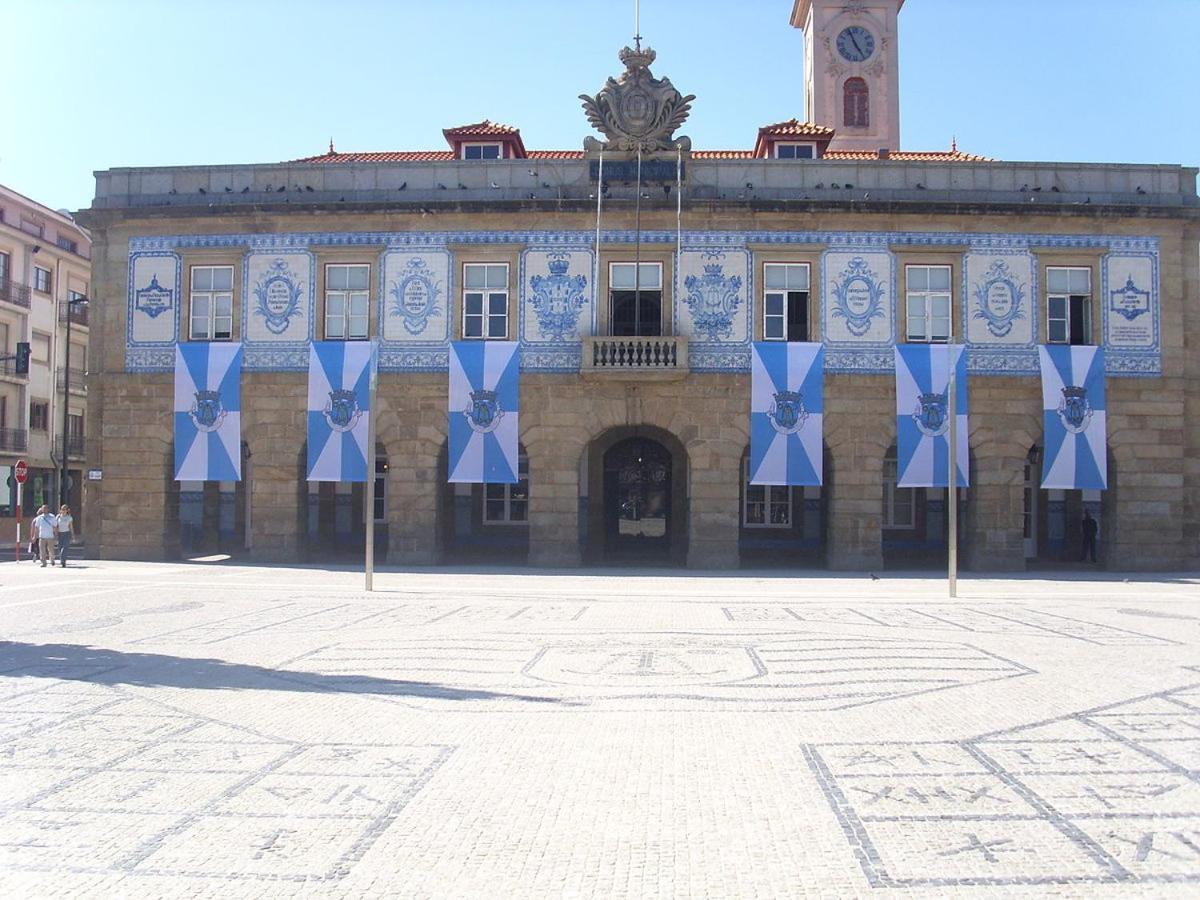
(45, 264)
(635, 273)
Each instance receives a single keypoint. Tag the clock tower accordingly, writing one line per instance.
(851, 70)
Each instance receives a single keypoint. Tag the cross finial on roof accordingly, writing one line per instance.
(953, 143)
(331, 150)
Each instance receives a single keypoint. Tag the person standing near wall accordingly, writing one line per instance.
(1090, 528)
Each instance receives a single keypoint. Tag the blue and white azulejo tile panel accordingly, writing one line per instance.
(557, 295)
(998, 298)
(858, 298)
(1129, 294)
(153, 298)
(277, 292)
(415, 306)
(713, 302)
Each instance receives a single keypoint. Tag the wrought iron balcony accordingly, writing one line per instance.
(8, 369)
(77, 312)
(78, 380)
(14, 292)
(635, 357)
(14, 440)
(76, 444)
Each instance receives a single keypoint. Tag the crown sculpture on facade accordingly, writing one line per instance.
(637, 111)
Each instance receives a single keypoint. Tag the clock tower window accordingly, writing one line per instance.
(856, 96)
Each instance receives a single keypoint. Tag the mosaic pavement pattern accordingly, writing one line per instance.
(233, 731)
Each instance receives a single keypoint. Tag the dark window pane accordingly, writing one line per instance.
(797, 316)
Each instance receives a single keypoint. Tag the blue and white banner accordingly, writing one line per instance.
(339, 409)
(208, 412)
(787, 412)
(923, 414)
(1073, 418)
(484, 386)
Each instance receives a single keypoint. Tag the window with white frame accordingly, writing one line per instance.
(347, 308)
(508, 504)
(795, 151)
(485, 301)
(765, 505)
(212, 303)
(482, 151)
(785, 301)
(928, 303)
(41, 279)
(1068, 305)
(635, 295)
(898, 502)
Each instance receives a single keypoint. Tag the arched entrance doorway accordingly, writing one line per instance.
(633, 504)
(485, 522)
(213, 517)
(1053, 519)
(637, 501)
(335, 513)
(781, 525)
(915, 521)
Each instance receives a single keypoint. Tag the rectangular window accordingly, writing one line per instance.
(481, 151)
(485, 301)
(795, 151)
(39, 347)
(41, 279)
(765, 505)
(75, 426)
(67, 244)
(30, 226)
(39, 415)
(347, 307)
(212, 303)
(898, 502)
(508, 504)
(1068, 305)
(381, 470)
(785, 301)
(5, 269)
(928, 303)
(635, 299)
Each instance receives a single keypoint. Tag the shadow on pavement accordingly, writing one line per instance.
(97, 665)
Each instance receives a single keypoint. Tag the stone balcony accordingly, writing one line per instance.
(635, 358)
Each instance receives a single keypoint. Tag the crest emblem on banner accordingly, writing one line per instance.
(931, 414)
(787, 413)
(153, 299)
(858, 297)
(278, 294)
(1074, 409)
(999, 298)
(484, 413)
(415, 296)
(558, 299)
(207, 412)
(342, 411)
(713, 298)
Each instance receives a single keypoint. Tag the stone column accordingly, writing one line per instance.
(855, 536)
(413, 486)
(994, 527)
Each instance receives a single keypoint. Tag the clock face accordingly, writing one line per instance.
(856, 43)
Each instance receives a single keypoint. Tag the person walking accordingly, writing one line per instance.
(1090, 529)
(44, 525)
(64, 531)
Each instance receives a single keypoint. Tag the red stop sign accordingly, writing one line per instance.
(20, 471)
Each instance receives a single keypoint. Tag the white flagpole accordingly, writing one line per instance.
(952, 476)
(369, 511)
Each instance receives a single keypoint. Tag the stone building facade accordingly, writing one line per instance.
(634, 419)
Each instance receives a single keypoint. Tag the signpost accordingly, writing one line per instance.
(20, 473)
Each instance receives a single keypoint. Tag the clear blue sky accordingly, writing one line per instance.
(96, 84)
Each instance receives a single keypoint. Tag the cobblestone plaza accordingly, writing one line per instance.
(218, 730)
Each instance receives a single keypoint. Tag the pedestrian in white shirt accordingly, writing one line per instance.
(44, 525)
(64, 530)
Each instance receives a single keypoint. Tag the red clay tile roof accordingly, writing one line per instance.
(908, 156)
(385, 156)
(486, 128)
(796, 128)
(722, 154)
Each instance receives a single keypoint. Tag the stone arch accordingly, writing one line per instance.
(484, 522)
(804, 542)
(601, 540)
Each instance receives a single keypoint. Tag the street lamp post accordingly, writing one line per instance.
(62, 480)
